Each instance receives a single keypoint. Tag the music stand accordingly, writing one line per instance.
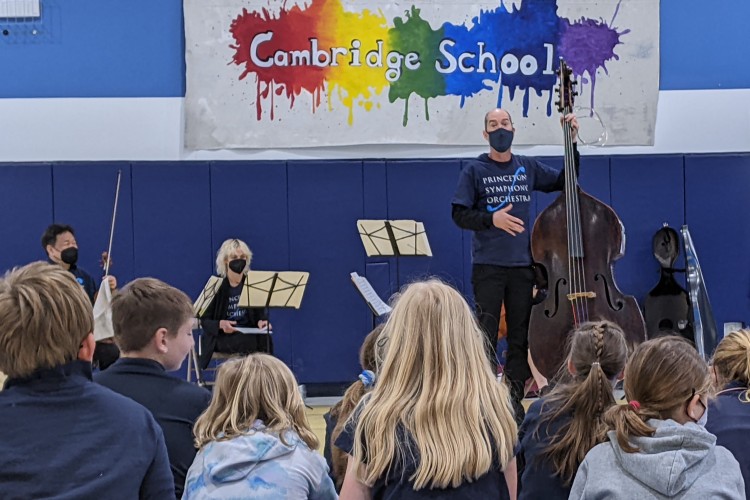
(207, 295)
(391, 238)
(371, 297)
(394, 238)
(269, 289)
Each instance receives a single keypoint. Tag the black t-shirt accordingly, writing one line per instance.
(396, 484)
(234, 312)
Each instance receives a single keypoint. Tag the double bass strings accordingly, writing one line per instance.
(576, 272)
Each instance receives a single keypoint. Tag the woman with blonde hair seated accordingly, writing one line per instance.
(437, 423)
(729, 413)
(223, 315)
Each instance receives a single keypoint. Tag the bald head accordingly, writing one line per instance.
(497, 116)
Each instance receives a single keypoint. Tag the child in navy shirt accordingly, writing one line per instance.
(729, 413)
(560, 428)
(437, 424)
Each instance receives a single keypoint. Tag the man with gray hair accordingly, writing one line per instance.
(62, 435)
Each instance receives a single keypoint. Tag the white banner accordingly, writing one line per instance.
(280, 74)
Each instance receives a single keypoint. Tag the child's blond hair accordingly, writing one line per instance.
(435, 385)
(256, 387)
(44, 317)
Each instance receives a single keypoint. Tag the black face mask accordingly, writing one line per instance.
(69, 255)
(501, 139)
(237, 265)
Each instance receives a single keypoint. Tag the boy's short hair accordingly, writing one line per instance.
(49, 237)
(142, 307)
(44, 317)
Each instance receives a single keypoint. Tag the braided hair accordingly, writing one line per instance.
(597, 352)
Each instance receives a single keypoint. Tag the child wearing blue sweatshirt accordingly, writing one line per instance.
(254, 439)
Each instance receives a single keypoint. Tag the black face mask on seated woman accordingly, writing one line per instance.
(237, 265)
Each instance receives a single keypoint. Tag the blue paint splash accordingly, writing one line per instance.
(532, 35)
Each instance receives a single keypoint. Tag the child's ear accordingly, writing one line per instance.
(87, 348)
(159, 340)
(571, 368)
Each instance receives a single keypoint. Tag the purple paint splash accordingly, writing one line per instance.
(587, 45)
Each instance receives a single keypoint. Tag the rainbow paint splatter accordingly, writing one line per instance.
(325, 50)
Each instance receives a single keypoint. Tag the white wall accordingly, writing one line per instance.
(93, 129)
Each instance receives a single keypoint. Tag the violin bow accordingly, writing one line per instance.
(112, 227)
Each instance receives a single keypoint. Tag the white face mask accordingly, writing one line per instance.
(704, 418)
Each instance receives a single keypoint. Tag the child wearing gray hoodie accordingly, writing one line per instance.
(658, 445)
(254, 439)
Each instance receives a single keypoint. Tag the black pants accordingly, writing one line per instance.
(236, 343)
(513, 286)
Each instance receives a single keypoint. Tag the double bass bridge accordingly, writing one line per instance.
(581, 295)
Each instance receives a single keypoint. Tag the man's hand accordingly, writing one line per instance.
(508, 223)
(112, 282)
(227, 326)
(571, 118)
(263, 324)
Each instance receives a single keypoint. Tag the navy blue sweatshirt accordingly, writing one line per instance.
(63, 436)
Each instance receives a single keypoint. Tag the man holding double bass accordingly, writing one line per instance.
(493, 199)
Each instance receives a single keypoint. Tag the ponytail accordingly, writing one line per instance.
(581, 401)
(629, 420)
(661, 375)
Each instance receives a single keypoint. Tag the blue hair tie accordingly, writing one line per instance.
(368, 378)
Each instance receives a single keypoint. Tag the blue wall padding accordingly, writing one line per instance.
(422, 190)
(325, 201)
(25, 211)
(83, 196)
(301, 215)
(466, 255)
(647, 191)
(171, 207)
(716, 188)
(375, 189)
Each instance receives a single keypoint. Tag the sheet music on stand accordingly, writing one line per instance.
(274, 289)
(394, 237)
(377, 306)
(207, 295)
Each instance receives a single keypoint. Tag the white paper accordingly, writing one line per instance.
(255, 331)
(371, 297)
(103, 328)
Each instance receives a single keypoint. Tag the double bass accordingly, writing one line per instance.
(574, 243)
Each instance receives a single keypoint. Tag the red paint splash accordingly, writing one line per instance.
(292, 30)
